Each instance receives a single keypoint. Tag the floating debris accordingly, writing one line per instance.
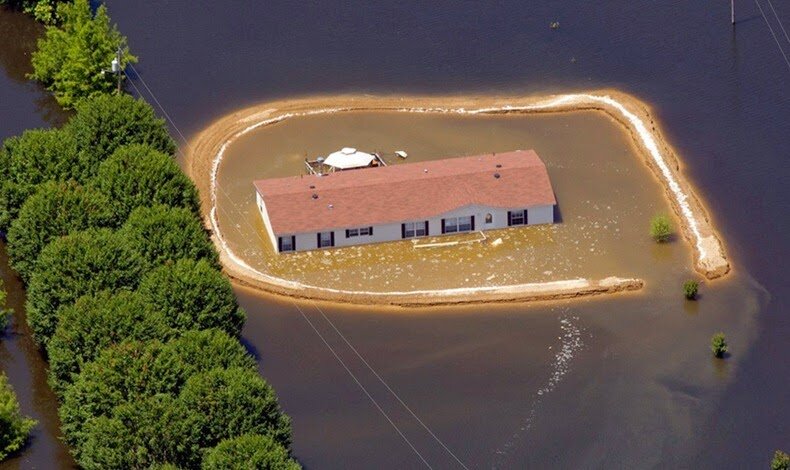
(554, 25)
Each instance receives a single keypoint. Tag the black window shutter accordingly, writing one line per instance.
(403, 230)
(293, 242)
(318, 240)
(509, 218)
(346, 233)
(442, 225)
(332, 238)
(370, 231)
(427, 233)
(279, 244)
(473, 223)
(526, 221)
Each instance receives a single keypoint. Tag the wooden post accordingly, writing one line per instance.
(732, 11)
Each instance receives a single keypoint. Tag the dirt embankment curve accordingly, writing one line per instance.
(206, 151)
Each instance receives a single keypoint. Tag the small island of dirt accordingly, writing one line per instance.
(556, 279)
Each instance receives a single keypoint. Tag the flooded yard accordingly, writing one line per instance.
(606, 197)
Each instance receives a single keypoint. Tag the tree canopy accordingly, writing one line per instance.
(138, 175)
(73, 56)
(14, 428)
(94, 323)
(165, 234)
(249, 451)
(133, 370)
(192, 295)
(234, 401)
(103, 123)
(78, 264)
(29, 160)
(54, 210)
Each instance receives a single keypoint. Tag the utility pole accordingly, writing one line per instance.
(116, 67)
(732, 11)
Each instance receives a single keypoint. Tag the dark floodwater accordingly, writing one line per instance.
(628, 381)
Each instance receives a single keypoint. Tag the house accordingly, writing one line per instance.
(409, 200)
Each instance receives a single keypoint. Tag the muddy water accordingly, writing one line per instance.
(23, 105)
(502, 386)
(606, 197)
(641, 388)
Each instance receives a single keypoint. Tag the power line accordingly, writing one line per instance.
(778, 44)
(388, 387)
(778, 20)
(362, 386)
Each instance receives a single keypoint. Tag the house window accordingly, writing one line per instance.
(287, 243)
(489, 218)
(458, 224)
(359, 232)
(414, 229)
(517, 217)
(326, 239)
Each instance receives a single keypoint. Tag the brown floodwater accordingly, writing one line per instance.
(498, 386)
(22, 362)
(606, 197)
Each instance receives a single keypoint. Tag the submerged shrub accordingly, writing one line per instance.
(781, 461)
(661, 228)
(250, 451)
(14, 428)
(82, 263)
(192, 295)
(690, 289)
(718, 345)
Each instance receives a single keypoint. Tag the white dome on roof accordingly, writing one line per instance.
(349, 157)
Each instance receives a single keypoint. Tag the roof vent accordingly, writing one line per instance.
(315, 196)
(499, 165)
(425, 170)
(331, 206)
(312, 186)
(496, 175)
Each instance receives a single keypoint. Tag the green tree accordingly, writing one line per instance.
(28, 160)
(660, 228)
(192, 295)
(139, 175)
(78, 264)
(234, 401)
(73, 56)
(133, 370)
(146, 433)
(41, 10)
(781, 461)
(165, 234)
(104, 123)
(55, 210)
(14, 428)
(94, 323)
(4, 311)
(690, 289)
(249, 452)
(718, 345)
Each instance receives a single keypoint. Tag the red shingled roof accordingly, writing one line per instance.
(404, 192)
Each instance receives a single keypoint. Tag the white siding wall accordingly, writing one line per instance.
(390, 232)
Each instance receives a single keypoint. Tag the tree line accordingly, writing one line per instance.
(124, 290)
